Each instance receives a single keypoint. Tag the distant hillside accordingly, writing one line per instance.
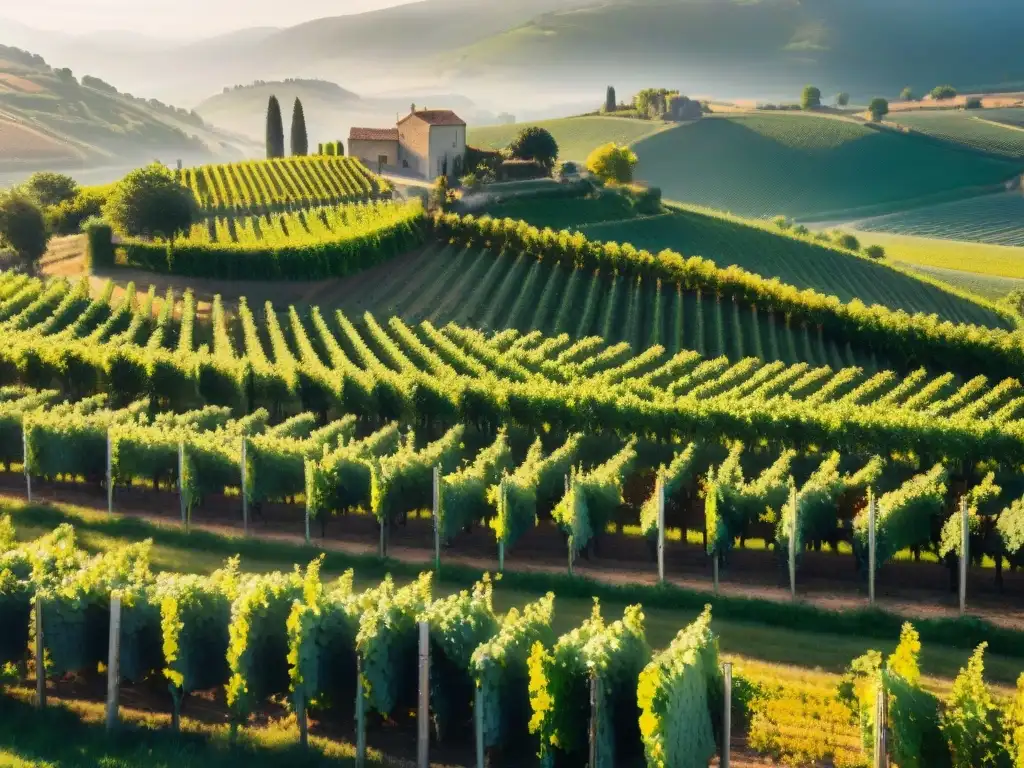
(576, 136)
(868, 47)
(50, 118)
(330, 109)
(811, 167)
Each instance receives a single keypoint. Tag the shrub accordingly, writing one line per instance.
(970, 722)
(22, 227)
(842, 99)
(782, 223)
(612, 162)
(943, 92)
(522, 170)
(99, 236)
(847, 241)
(150, 202)
(1013, 726)
(875, 252)
(66, 218)
(811, 98)
(49, 189)
(973, 102)
(907, 94)
(878, 108)
(800, 229)
(537, 144)
(470, 181)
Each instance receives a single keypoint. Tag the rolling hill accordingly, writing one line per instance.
(811, 167)
(755, 246)
(576, 136)
(738, 47)
(48, 118)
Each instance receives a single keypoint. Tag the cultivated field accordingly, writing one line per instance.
(576, 136)
(272, 185)
(995, 219)
(972, 128)
(808, 167)
(758, 248)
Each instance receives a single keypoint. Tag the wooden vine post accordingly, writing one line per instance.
(726, 715)
(595, 706)
(301, 717)
(360, 716)
(661, 529)
(110, 474)
(570, 538)
(245, 493)
(881, 756)
(423, 711)
(24, 459)
(181, 484)
(872, 521)
(114, 663)
(307, 466)
(478, 725)
(436, 518)
(792, 541)
(40, 656)
(503, 502)
(965, 552)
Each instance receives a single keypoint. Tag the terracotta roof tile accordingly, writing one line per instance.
(435, 117)
(373, 134)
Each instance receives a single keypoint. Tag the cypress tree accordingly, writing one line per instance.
(609, 100)
(275, 129)
(300, 141)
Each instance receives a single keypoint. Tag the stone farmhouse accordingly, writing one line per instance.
(426, 143)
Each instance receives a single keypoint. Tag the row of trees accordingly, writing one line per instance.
(275, 130)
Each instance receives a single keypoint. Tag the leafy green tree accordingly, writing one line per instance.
(150, 202)
(842, 99)
(943, 92)
(876, 252)
(23, 227)
(878, 108)
(275, 129)
(300, 139)
(612, 162)
(610, 104)
(973, 102)
(907, 94)
(535, 143)
(811, 98)
(782, 223)
(49, 189)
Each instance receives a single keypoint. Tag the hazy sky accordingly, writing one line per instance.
(176, 18)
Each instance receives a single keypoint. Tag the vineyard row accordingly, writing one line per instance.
(57, 336)
(391, 474)
(262, 186)
(599, 689)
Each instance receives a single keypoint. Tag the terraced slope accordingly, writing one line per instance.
(809, 167)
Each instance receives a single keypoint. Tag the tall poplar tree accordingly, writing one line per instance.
(275, 129)
(609, 100)
(300, 140)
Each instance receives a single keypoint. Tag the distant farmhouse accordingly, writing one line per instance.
(427, 143)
